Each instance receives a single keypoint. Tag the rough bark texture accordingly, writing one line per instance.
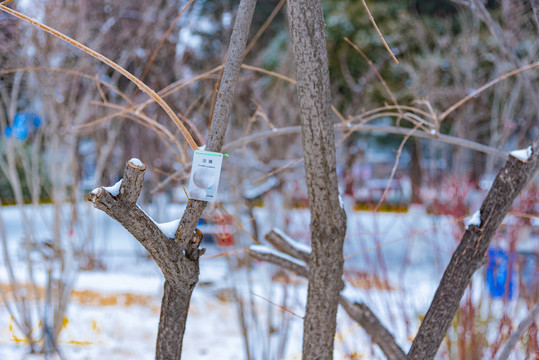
(174, 309)
(357, 311)
(328, 219)
(470, 253)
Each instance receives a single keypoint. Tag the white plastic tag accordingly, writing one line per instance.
(205, 174)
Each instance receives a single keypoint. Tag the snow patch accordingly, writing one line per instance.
(261, 249)
(95, 191)
(169, 228)
(522, 154)
(114, 190)
(341, 202)
(475, 219)
(293, 243)
(136, 162)
(259, 190)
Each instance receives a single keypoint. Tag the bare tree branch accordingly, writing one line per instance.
(260, 253)
(177, 268)
(284, 243)
(223, 105)
(470, 253)
(373, 128)
(376, 330)
(515, 337)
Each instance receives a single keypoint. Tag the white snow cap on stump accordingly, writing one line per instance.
(136, 162)
(522, 154)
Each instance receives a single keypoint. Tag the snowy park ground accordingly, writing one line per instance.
(394, 262)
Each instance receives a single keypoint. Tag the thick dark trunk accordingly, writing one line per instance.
(328, 219)
(174, 309)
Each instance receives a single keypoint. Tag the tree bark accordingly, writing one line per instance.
(328, 219)
(470, 253)
(172, 321)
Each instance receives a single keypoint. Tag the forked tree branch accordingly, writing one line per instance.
(357, 311)
(178, 268)
(177, 261)
(470, 253)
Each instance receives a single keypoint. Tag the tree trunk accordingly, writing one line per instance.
(328, 219)
(174, 309)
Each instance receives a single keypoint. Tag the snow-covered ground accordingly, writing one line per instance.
(114, 313)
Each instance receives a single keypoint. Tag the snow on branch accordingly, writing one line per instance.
(265, 253)
(114, 190)
(287, 245)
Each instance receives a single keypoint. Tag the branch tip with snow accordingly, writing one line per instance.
(136, 163)
(522, 154)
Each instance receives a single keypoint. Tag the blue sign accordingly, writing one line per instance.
(500, 282)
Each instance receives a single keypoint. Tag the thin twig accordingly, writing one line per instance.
(484, 87)
(152, 124)
(264, 26)
(372, 128)
(168, 90)
(278, 170)
(399, 152)
(371, 65)
(163, 38)
(279, 306)
(378, 32)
